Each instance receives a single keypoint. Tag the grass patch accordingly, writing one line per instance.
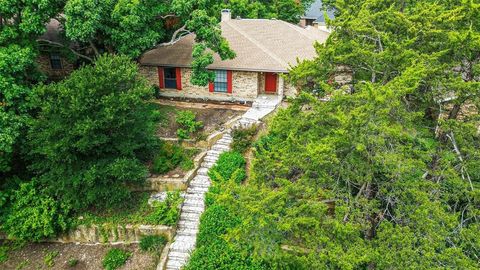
(115, 258)
(164, 112)
(136, 211)
(6, 246)
(153, 243)
(49, 258)
(172, 156)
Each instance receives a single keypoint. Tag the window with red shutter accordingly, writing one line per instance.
(161, 80)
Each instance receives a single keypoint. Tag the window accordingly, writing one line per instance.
(221, 82)
(55, 61)
(170, 78)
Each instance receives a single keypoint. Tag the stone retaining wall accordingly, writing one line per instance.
(97, 234)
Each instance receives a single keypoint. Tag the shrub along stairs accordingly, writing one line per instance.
(194, 204)
(193, 207)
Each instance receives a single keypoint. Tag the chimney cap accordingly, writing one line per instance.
(226, 15)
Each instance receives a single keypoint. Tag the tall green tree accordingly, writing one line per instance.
(383, 175)
(20, 23)
(90, 137)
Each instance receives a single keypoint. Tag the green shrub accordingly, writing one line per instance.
(72, 262)
(215, 222)
(4, 253)
(166, 212)
(242, 138)
(115, 258)
(34, 215)
(187, 165)
(188, 124)
(230, 166)
(89, 136)
(153, 243)
(220, 255)
(50, 257)
(172, 155)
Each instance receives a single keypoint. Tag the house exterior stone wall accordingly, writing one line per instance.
(43, 61)
(244, 86)
(290, 90)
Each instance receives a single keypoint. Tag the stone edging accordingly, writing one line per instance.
(113, 234)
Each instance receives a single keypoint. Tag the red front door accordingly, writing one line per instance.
(270, 82)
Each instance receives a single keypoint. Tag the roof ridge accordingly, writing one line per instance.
(298, 29)
(256, 43)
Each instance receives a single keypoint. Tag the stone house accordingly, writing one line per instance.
(51, 60)
(265, 50)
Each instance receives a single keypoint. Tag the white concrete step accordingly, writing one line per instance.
(221, 148)
(193, 196)
(199, 184)
(197, 189)
(192, 209)
(201, 178)
(175, 264)
(222, 142)
(210, 159)
(207, 164)
(195, 217)
(202, 171)
(188, 225)
(178, 256)
(187, 231)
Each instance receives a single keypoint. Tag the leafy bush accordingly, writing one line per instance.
(91, 135)
(188, 124)
(171, 156)
(242, 138)
(153, 243)
(230, 166)
(115, 258)
(50, 257)
(166, 212)
(220, 255)
(215, 221)
(34, 215)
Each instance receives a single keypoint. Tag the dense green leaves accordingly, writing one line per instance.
(88, 135)
(383, 175)
(35, 215)
(230, 166)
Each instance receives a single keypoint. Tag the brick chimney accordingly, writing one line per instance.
(226, 15)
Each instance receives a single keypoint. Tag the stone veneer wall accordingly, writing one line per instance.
(95, 234)
(290, 90)
(244, 86)
(43, 61)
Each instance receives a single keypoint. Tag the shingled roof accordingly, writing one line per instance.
(260, 45)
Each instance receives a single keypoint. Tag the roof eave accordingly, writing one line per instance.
(219, 68)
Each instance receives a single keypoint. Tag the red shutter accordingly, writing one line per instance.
(210, 86)
(161, 81)
(178, 74)
(229, 81)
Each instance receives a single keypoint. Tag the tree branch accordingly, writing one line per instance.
(57, 44)
(166, 16)
(176, 36)
(459, 154)
(94, 48)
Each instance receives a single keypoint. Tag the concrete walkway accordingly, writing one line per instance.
(194, 204)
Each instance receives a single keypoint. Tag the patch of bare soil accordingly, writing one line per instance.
(32, 256)
(212, 120)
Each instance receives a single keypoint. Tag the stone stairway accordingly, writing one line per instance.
(193, 207)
